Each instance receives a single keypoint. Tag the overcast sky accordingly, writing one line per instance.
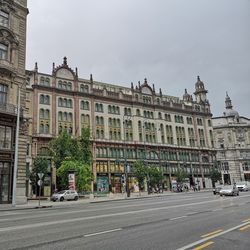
(169, 42)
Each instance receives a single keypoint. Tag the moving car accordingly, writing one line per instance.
(65, 195)
(217, 189)
(242, 186)
(229, 190)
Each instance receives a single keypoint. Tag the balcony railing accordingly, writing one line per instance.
(9, 109)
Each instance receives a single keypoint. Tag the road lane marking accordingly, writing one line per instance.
(212, 233)
(219, 209)
(246, 220)
(103, 232)
(212, 236)
(245, 227)
(177, 218)
(95, 217)
(204, 245)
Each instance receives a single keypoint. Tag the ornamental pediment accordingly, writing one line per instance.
(64, 73)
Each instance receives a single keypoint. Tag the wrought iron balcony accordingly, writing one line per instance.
(10, 109)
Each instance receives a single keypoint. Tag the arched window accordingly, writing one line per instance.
(46, 114)
(60, 102)
(69, 103)
(41, 113)
(60, 85)
(41, 128)
(65, 116)
(46, 129)
(46, 99)
(70, 118)
(47, 82)
(69, 86)
(60, 116)
(41, 99)
(42, 80)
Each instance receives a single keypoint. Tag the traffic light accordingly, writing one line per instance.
(123, 178)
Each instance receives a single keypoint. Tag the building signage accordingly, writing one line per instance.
(72, 181)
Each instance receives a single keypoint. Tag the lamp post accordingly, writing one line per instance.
(127, 191)
(16, 147)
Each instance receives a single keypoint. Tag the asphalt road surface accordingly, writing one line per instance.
(182, 221)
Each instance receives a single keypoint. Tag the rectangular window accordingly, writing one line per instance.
(5, 137)
(3, 94)
(4, 18)
(3, 51)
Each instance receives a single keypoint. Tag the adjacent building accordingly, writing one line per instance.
(127, 124)
(13, 15)
(232, 143)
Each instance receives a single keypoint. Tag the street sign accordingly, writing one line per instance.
(40, 175)
(40, 183)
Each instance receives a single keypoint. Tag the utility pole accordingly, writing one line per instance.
(16, 149)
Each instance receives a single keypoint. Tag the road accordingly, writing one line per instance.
(183, 221)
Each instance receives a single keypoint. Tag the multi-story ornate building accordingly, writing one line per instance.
(13, 15)
(232, 142)
(127, 124)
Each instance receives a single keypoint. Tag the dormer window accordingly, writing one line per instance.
(3, 51)
(4, 18)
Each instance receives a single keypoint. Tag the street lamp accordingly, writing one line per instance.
(16, 145)
(125, 124)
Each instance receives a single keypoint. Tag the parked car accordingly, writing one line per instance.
(65, 195)
(229, 190)
(242, 186)
(217, 189)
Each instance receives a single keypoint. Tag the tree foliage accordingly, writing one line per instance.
(181, 175)
(154, 176)
(83, 174)
(70, 153)
(65, 147)
(214, 175)
(40, 165)
(140, 173)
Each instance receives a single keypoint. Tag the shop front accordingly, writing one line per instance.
(5, 181)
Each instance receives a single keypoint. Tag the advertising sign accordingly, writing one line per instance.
(72, 181)
(102, 184)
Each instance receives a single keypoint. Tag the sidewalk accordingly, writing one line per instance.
(33, 204)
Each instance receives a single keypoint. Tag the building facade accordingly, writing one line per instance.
(232, 142)
(13, 15)
(127, 124)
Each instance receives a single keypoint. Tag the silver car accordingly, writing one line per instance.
(229, 190)
(65, 195)
(242, 186)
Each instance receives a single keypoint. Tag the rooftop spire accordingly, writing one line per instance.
(228, 102)
(65, 60)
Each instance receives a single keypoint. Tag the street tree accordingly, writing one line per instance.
(214, 175)
(83, 173)
(154, 176)
(181, 175)
(140, 173)
(40, 165)
(63, 147)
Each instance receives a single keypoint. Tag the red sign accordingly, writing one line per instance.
(72, 181)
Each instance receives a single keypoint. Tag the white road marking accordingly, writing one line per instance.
(219, 209)
(177, 218)
(42, 215)
(60, 221)
(212, 237)
(103, 232)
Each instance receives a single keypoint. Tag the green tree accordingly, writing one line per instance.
(83, 174)
(181, 175)
(84, 148)
(63, 147)
(154, 176)
(214, 175)
(40, 165)
(140, 173)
